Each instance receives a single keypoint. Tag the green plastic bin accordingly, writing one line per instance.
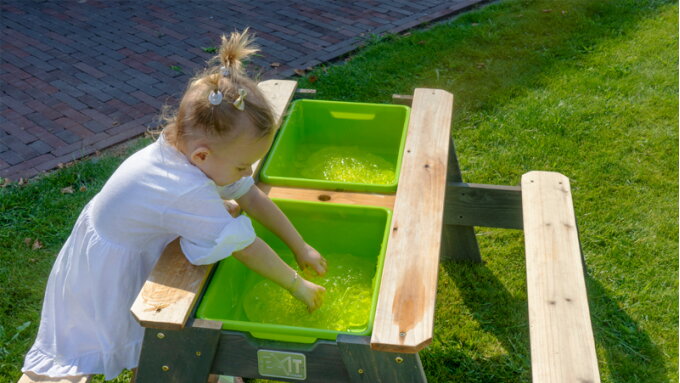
(376, 129)
(361, 231)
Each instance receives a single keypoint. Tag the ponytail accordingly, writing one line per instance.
(201, 106)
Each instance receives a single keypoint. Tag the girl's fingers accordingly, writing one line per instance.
(320, 270)
(318, 299)
(322, 267)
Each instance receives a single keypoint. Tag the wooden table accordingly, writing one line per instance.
(434, 212)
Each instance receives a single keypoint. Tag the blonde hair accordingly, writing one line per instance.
(197, 116)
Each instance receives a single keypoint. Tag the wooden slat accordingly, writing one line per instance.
(305, 93)
(279, 94)
(402, 99)
(382, 200)
(483, 205)
(405, 312)
(562, 343)
(170, 292)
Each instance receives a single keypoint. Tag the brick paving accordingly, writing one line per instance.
(78, 76)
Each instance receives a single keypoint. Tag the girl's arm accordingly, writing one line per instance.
(260, 207)
(260, 258)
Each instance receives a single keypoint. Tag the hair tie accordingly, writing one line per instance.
(215, 97)
(224, 71)
(240, 101)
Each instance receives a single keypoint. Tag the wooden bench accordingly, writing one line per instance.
(561, 335)
(434, 212)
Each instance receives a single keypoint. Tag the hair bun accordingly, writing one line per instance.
(235, 49)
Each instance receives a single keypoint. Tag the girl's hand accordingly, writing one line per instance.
(232, 207)
(310, 260)
(309, 293)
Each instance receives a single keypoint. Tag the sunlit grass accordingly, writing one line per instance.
(585, 88)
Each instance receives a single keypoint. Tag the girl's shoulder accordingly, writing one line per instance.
(158, 169)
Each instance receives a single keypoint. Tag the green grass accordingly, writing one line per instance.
(588, 89)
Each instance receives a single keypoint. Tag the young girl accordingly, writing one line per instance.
(172, 188)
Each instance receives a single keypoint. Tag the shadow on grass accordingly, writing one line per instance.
(493, 311)
(626, 353)
(630, 354)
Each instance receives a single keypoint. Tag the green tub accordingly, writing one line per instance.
(376, 132)
(349, 234)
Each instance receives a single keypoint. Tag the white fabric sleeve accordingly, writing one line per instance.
(237, 189)
(207, 232)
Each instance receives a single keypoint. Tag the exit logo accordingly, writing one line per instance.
(280, 364)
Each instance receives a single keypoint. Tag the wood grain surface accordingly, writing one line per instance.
(561, 335)
(405, 312)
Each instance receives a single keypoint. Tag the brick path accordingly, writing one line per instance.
(79, 76)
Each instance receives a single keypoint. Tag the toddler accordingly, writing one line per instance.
(173, 188)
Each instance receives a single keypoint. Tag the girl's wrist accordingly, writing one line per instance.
(296, 280)
(300, 249)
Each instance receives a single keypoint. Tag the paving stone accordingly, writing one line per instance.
(26, 168)
(11, 157)
(74, 103)
(17, 132)
(96, 126)
(18, 147)
(67, 136)
(46, 136)
(102, 69)
(18, 106)
(40, 147)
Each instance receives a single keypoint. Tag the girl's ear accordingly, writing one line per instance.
(199, 154)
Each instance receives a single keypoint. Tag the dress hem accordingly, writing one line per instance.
(40, 362)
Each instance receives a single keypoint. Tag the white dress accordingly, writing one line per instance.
(155, 196)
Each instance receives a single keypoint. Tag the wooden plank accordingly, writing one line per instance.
(402, 99)
(366, 365)
(483, 205)
(405, 311)
(279, 94)
(351, 198)
(169, 294)
(305, 93)
(561, 334)
(170, 291)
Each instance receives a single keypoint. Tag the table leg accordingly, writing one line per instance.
(366, 365)
(459, 243)
(179, 356)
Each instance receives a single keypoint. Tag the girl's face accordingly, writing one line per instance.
(230, 159)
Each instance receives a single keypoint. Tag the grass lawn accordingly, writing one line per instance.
(585, 88)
